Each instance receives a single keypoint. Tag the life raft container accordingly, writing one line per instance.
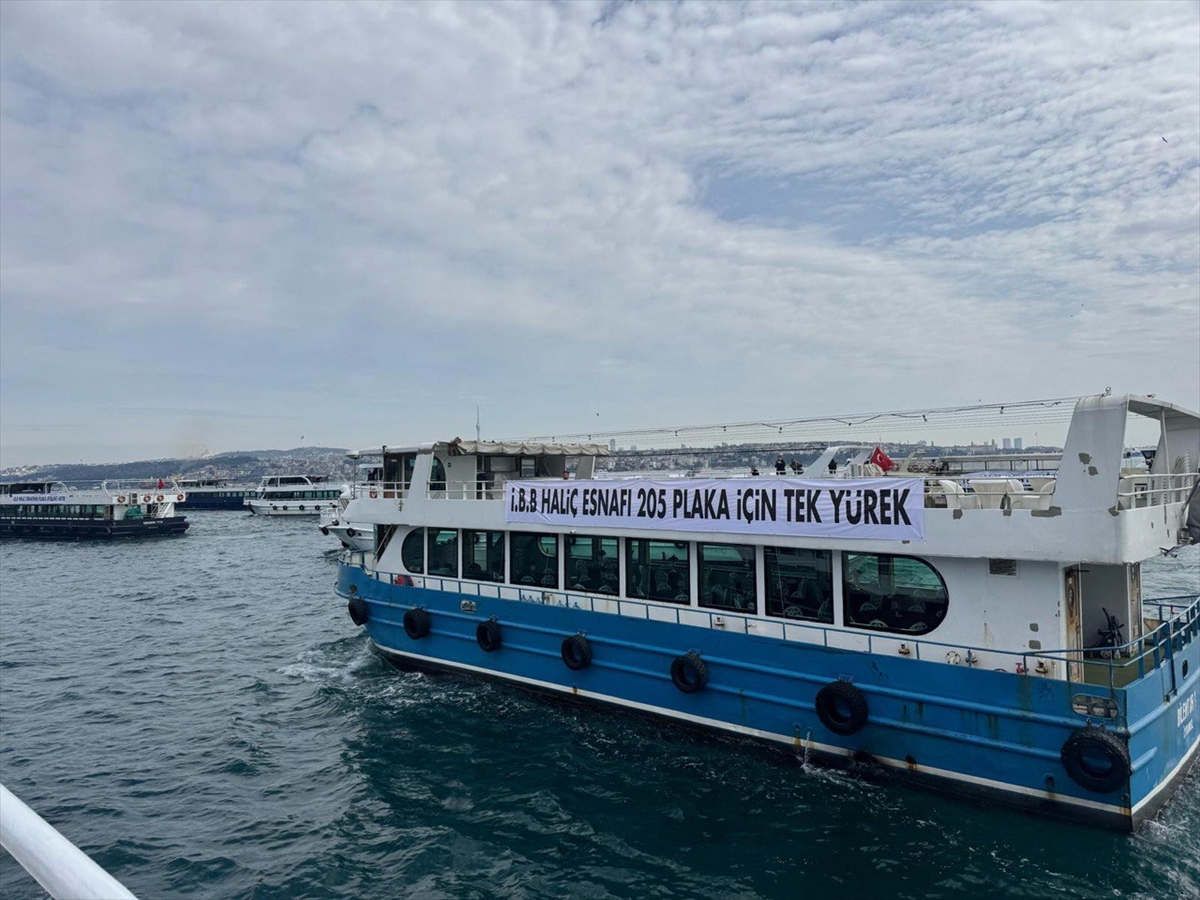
(689, 673)
(1097, 760)
(841, 707)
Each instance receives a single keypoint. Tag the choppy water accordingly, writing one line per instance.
(200, 716)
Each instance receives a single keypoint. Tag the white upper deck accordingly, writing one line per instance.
(1087, 508)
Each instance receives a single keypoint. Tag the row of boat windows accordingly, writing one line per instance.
(879, 591)
(299, 495)
(56, 511)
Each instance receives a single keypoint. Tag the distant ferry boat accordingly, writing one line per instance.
(986, 638)
(293, 495)
(53, 511)
(213, 493)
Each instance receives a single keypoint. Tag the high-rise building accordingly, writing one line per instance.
(1018, 443)
(1008, 443)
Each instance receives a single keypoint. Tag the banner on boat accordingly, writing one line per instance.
(889, 509)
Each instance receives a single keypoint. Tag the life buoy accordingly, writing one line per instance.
(841, 707)
(146, 498)
(576, 652)
(487, 635)
(357, 607)
(416, 623)
(1097, 760)
(689, 673)
(179, 498)
(374, 494)
(121, 498)
(158, 499)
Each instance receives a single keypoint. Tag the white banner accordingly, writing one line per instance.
(890, 509)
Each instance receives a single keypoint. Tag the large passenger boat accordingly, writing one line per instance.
(984, 635)
(53, 511)
(294, 495)
(213, 493)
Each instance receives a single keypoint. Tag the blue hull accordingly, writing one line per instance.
(957, 728)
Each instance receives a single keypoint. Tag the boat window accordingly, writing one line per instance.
(483, 555)
(592, 564)
(726, 576)
(892, 593)
(657, 570)
(799, 583)
(443, 552)
(412, 551)
(533, 558)
(437, 476)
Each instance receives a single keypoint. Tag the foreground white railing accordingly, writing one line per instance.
(58, 865)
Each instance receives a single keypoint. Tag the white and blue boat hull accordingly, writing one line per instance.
(967, 730)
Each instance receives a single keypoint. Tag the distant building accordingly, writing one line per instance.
(1018, 443)
(1008, 443)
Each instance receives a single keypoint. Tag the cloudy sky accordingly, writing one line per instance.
(259, 225)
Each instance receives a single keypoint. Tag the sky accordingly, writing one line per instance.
(234, 226)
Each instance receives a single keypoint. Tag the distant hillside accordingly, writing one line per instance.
(240, 466)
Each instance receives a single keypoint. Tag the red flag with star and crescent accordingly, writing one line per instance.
(882, 460)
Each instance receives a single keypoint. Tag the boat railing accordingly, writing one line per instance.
(376, 490)
(58, 865)
(1140, 490)
(1110, 667)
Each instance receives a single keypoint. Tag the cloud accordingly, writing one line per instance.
(348, 212)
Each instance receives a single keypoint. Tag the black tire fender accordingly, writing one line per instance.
(689, 673)
(487, 635)
(416, 623)
(357, 607)
(350, 532)
(1097, 760)
(576, 652)
(842, 707)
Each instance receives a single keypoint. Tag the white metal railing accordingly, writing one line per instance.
(59, 866)
(375, 490)
(1142, 490)
(1176, 616)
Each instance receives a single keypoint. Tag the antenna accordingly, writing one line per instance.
(476, 423)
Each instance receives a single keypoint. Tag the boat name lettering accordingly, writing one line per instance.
(1186, 714)
(38, 498)
(880, 508)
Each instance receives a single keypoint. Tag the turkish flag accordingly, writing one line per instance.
(882, 460)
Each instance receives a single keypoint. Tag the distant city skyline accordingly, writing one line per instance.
(232, 225)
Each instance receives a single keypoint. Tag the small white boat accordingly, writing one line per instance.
(294, 495)
(352, 536)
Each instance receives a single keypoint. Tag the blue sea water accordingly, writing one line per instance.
(200, 715)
